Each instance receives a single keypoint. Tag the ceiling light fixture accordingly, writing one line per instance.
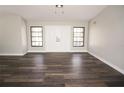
(59, 6)
(59, 10)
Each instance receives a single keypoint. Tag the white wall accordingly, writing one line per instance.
(65, 32)
(24, 36)
(106, 36)
(11, 30)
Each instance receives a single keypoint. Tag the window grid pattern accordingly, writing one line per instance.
(36, 36)
(78, 36)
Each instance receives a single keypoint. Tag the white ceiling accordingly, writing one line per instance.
(47, 12)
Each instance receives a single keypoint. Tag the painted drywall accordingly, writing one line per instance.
(64, 30)
(24, 36)
(106, 36)
(11, 35)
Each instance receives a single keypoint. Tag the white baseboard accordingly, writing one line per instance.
(106, 62)
(54, 51)
(5, 54)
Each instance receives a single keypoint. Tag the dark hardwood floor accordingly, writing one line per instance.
(57, 70)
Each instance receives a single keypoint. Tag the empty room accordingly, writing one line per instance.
(61, 45)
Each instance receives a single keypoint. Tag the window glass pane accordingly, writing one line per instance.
(78, 34)
(78, 44)
(75, 43)
(75, 39)
(75, 30)
(80, 30)
(36, 43)
(79, 39)
(39, 39)
(33, 38)
(36, 29)
(33, 43)
(40, 43)
(36, 34)
(36, 39)
(39, 34)
(81, 43)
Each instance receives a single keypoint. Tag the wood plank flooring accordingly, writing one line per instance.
(57, 70)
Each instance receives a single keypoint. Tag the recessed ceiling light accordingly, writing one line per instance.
(59, 6)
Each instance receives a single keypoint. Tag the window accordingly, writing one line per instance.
(36, 36)
(78, 36)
